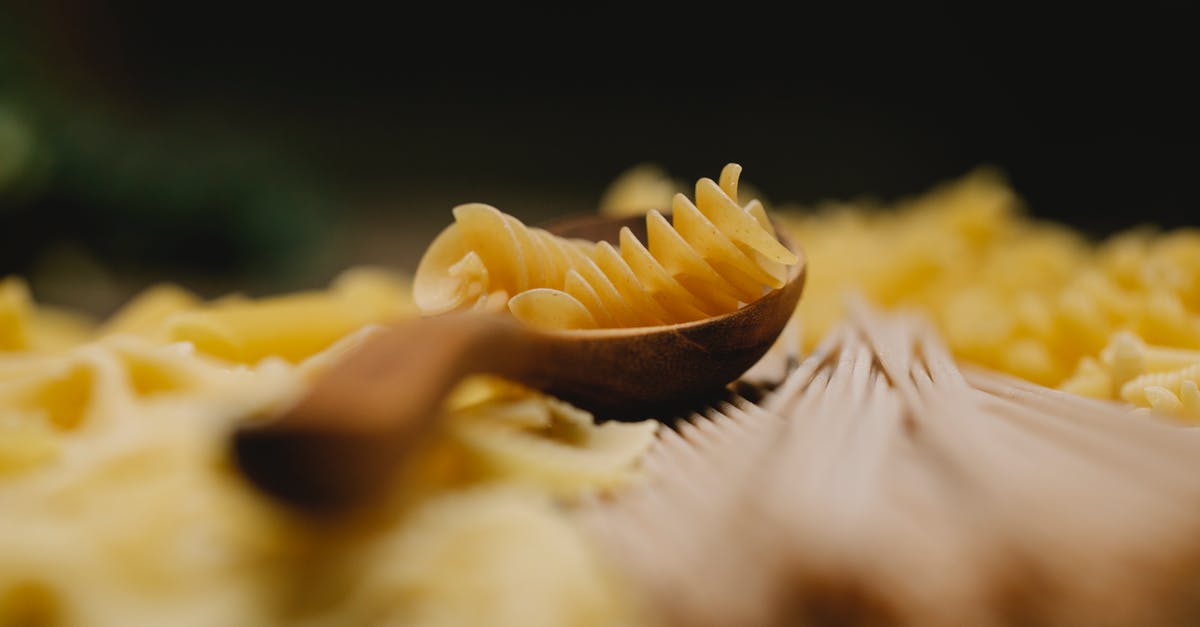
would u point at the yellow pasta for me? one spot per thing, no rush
(1162, 400)
(1154, 358)
(548, 443)
(14, 314)
(26, 441)
(638, 191)
(1162, 378)
(27, 327)
(1023, 296)
(118, 506)
(551, 309)
(714, 256)
(1125, 358)
(1189, 393)
(665, 289)
(293, 327)
(1135, 391)
(121, 507)
(1090, 379)
(146, 313)
(502, 557)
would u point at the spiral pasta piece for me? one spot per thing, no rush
(1135, 391)
(1163, 401)
(712, 257)
(662, 286)
(551, 309)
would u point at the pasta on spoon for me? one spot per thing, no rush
(714, 256)
(686, 313)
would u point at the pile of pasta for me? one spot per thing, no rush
(1117, 319)
(121, 506)
(713, 257)
(880, 484)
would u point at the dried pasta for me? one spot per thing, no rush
(121, 507)
(146, 313)
(714, 256)
(545, 442)
(485, 556)
(118, 507)
(1017, 295)
(27, 327)
(293, 326)
(881, 484)
(638, 191)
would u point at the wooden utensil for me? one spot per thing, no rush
(342, 442)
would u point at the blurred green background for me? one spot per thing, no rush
(262, 150)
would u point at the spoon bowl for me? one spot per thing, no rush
(633, 373)
(344, 439)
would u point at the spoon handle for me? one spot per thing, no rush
(346, 436)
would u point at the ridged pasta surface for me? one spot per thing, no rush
(713, 256)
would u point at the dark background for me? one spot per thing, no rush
(266, 148)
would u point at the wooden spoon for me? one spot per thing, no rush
(343, 441)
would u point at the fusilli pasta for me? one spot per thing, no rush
(713, 256)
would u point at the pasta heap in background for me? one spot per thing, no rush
(120, 506)
(1118, 319)
(713, 257)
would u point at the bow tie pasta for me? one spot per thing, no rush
(712, 257)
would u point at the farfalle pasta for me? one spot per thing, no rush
(713, 256)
